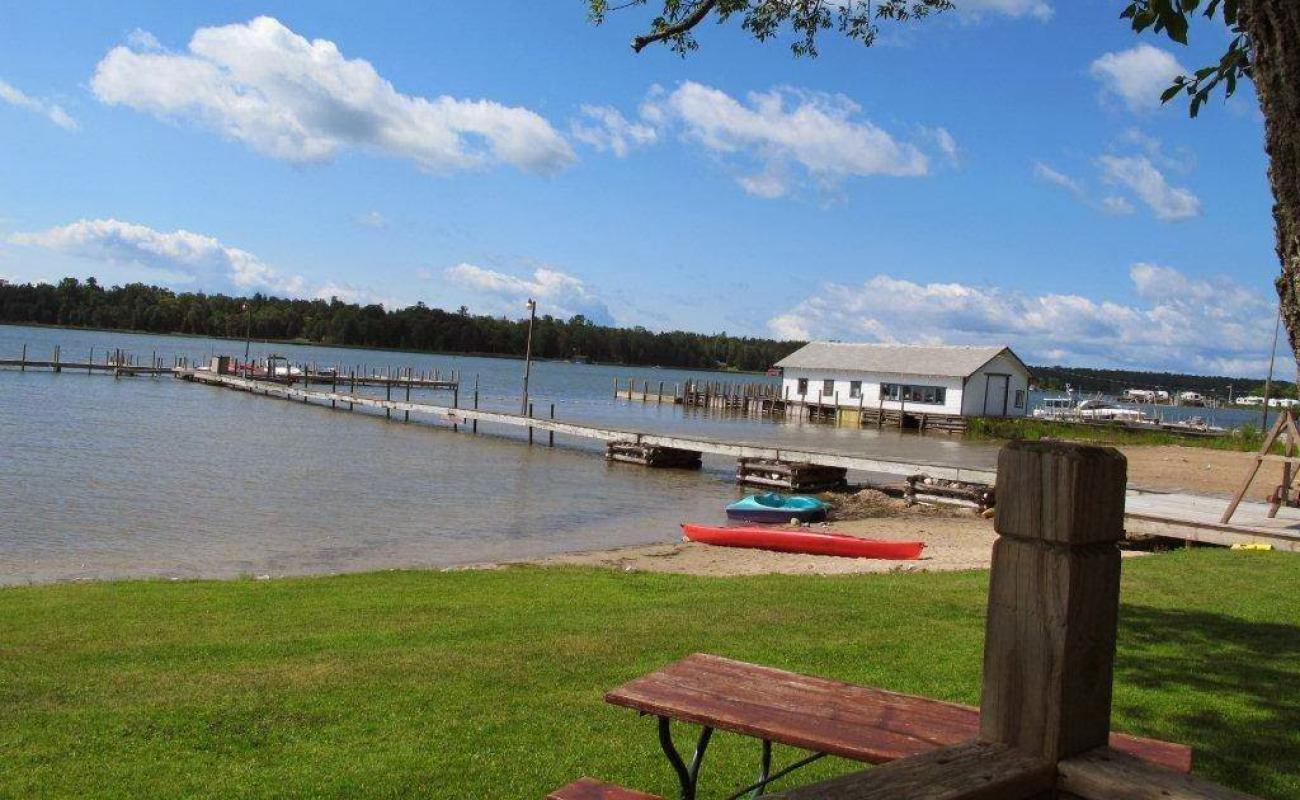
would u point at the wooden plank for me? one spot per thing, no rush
(1104, 774)
(969, 771)
(592, 789)
(844, 719)
(1049, 646)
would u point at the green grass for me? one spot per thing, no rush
(488, 684)
(1247, 438)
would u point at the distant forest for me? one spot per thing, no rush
(152, 309)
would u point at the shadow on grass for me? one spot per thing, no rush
(1228, 687)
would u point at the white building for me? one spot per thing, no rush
(908, 379)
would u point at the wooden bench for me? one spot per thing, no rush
(820, 715)
(592, 789)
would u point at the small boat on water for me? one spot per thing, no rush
(774, 507)
(803, 540)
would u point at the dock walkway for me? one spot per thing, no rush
(736, 450)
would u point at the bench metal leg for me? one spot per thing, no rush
(765, 779)
(688, 777)
(764, 769)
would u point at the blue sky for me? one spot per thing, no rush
(999, 174)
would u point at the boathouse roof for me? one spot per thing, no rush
(897, 359)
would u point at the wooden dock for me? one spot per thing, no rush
(461, 416)
(1195, 518)
(117, 362)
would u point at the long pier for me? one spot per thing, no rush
(456, 415)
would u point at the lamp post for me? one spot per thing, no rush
(531, 305)
(248, 335)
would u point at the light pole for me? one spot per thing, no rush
(248, 335)
(531, 305)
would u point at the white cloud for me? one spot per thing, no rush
(1038, 9)
(782, 135)
(180, 259)
(1119, 206)
(1138, 75)
(557, 293)
(304, 101)
(1140, 176)
(51, 111)
(946, 143)
(371, 219)
(1174, 321)
(1049, 174)
(609, 130)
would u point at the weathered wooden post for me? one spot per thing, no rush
(550, 435)
(353, 391)
(57, 368)
(388, 391)
(22, 365)
(473, 427)
(406, 415)
(530, 425)
(1049, 647)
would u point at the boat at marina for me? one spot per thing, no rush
(1065, 409)
(775, 507)
(803, 540)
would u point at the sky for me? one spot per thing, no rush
(1000, 174)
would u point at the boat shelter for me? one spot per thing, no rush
(902, 381)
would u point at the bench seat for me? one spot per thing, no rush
(592, 789)
(825, 716)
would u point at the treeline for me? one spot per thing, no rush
(1115, 381)
(152, 309)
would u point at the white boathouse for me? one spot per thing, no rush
(906, 385)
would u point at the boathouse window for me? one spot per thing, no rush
(803, 387)
(828, 387)
(1020, 398)
(855, 389)
(927, 395)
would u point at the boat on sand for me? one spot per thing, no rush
(774, 507)
(803, 540)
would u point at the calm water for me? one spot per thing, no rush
(104, 477)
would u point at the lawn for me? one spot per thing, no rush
(488, 684)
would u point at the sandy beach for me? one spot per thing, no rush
(1198, 470)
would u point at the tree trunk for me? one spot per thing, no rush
(1274, 28)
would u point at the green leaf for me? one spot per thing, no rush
(1171, 93)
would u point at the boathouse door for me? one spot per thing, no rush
(996, 389)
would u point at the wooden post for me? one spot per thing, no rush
(473, 426)
(550, 435)
(530, 427)
(334, 388)
(406, 415)
(388, 391)
(455, 400)
(57, 368)
(90, 361)
(1049, 647)
(22, 365)
(353, 391)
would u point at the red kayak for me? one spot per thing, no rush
(803, 540)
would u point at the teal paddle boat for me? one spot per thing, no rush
(773, 507)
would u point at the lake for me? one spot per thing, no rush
(154, 477)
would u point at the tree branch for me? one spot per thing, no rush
(683, 25)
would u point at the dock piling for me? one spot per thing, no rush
(550, 435)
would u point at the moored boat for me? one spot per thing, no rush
(802, 540)
(774, 507)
